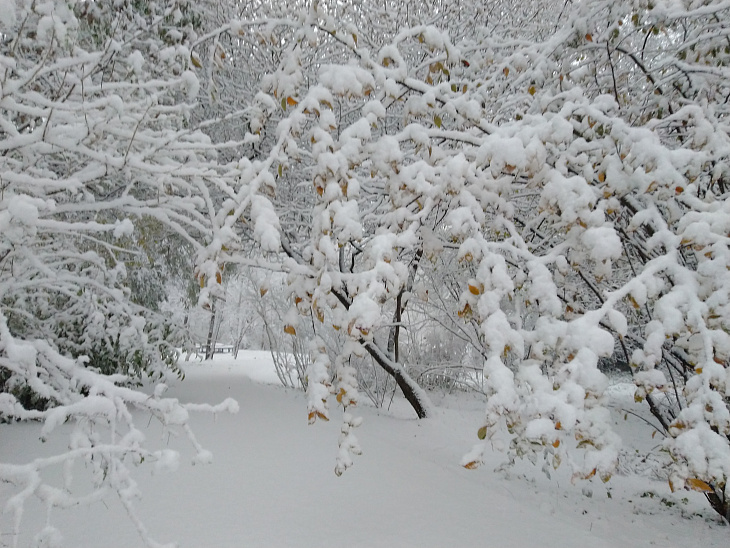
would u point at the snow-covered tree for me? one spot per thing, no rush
(105, 185)
(565, 164)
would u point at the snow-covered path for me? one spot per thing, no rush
(271, 484)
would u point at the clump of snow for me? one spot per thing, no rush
(136, 61)
(123, 228)
(348, 80)
(191, 85)
(266, 223)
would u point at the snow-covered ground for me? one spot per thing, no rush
(271, 483)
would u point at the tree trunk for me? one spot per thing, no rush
(400, 306)
(210, 348)
(719, 503)
(415, 395)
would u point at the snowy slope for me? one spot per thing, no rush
(271, 483)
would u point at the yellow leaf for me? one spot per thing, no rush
(195, 60)
(437, 120)
(589, 37)
(289, 330)
(354, 38)
(202, 281)
(472, 465)
(263, 291)
(341, 393)
(556, 443)
(314, 415)
(698, 485)
(218, 277)
(531, 90)
(482, 432)
(475, 289)
(602, 177)
(291, 102)
(506, 71)
(283, 103)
